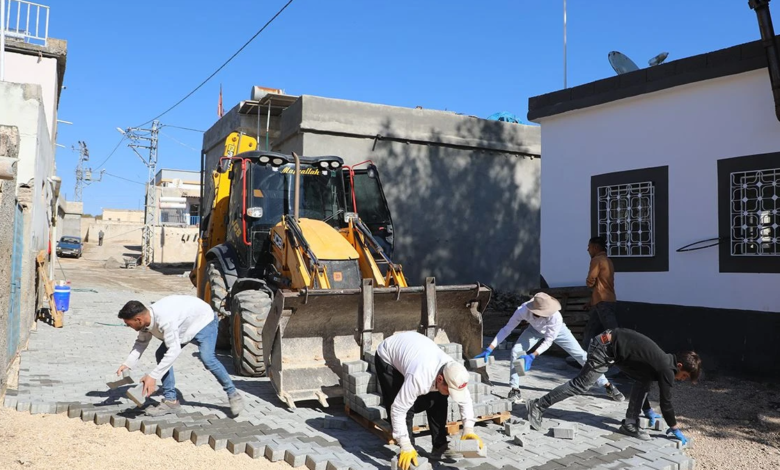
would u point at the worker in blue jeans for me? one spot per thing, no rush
(176, 320)
(546, 324)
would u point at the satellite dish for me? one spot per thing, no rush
(658, 59)
(621, 63)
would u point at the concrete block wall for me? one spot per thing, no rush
(175, 244)
(130, 234)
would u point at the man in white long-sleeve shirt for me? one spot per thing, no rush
(176, 320)
(415, 375)
(546, 324)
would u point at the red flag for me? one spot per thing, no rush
(220, 111)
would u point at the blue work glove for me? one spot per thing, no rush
(678, 434)
(652, 416)
(528, 359)
(484, 354)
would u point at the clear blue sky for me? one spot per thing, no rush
(129, 61)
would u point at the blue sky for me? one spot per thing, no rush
(128, 62)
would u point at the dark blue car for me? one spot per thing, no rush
(69, 246)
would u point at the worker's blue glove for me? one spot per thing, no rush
(528, 359)
(652, 416)
(678, 434)
(484, 354)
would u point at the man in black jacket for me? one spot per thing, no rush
(640, 358)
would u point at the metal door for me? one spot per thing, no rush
(15, 300)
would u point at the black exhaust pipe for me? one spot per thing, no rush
(761, 7)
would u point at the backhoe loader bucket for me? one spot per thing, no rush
(309, 334)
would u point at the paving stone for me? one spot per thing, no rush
(469, 448)
(113, 381)
(10, 401)
(23, 406)
(332, 422)
(255, 450)
(43, 408)
(136, 394)
(564, 432)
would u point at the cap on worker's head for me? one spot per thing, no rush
(457, 378)
(543, 305)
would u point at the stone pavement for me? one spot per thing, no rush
(64, 370)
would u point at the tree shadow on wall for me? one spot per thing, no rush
(463, 215)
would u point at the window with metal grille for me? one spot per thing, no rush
(755, 212)
(626, 219)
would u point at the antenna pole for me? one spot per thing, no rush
(564, 43)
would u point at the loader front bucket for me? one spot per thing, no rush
(309, 334)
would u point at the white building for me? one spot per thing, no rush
(178, 197)
(658, 159)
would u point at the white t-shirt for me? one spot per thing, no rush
(176, 319)
(419, 360)
(549, 327)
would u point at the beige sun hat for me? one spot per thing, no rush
(543, 305)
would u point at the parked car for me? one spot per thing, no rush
(69, 246)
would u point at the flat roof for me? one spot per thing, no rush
(721, 63)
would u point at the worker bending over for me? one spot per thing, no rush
(546, 324)
(176, 320)
(415, 375)
(638, 357)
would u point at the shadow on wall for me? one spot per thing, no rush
(464, 215)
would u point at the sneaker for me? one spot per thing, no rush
(614, 393)
(165, 407)
(514, 395)
(633, 430)
(444, 454)
(236, 404)
(534, 414)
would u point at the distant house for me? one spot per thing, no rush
(661, 161)
(178, 197)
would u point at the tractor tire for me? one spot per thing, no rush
(218, 291)
(250, 309)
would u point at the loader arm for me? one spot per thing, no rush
(361, 238)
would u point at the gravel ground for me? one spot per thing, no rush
(57, 442)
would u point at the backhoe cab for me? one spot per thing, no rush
(301, 283)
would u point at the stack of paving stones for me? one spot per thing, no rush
(63, 371)
(363, 396)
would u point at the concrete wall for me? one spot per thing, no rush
(123, 215)
(115, 233)
(32, 69)
(9, 138)
(689, 128)
(175, 245)
(69, 218)
(463, 192)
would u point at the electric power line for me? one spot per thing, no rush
(180, 143)
(111, 154)
(220, 67)
(183, 128)
(122, 178)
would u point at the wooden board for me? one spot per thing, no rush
(453, 427)
(56, 315)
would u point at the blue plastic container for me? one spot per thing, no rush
(62, 298)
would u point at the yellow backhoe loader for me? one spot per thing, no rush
(302, 283)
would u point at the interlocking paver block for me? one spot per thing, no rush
(565, 431)
(469, 448)
(516, 427)
(255, 450)
(136, 394)
(476, 363)
(333, 422)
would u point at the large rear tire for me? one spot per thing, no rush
(217, 292)
(249, 311)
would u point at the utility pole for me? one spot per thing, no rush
(136, 136)
(84, 176)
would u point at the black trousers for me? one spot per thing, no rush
(434, 403)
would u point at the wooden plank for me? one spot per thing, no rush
(56, 315)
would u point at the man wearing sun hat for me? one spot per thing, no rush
(415, 375)
(546, 324)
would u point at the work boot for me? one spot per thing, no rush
(443, 453)
(534, 414)
(236, 404)
(165, 407)
(514, 395)
(633, 430)
(614, 393)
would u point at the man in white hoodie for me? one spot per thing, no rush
(415, 375)
(176, 320)
(546, 324)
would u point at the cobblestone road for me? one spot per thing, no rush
(64, 370)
